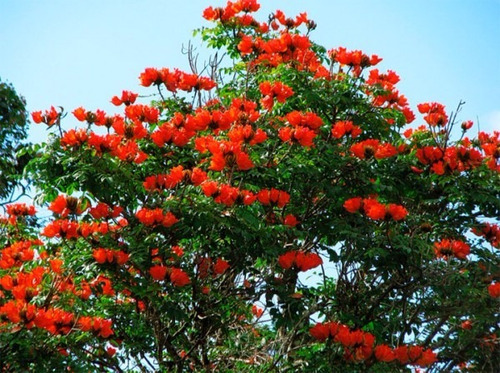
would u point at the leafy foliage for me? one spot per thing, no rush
(13, 130)
(275, 215)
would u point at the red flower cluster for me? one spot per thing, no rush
(359, 345)
(130, 152)
(104, 143)
(231, 10)
(301, 135)
(18, 252)
(373, 148)
(65, 205)
(175, 80)
(177, 276)
(302, 261)
(99, 118)
(459, 158)
(224, 154)
(300, 119)
(159, 182)
(490, 232)
(207, 266)
(436, 116)
(273, 197)
(447, 248)
(391, 98)
(130, 131)
(49, 117)
(126, 98)
(173, 131)
(227, 194)
(140, 113)
(104, 211)
(357, 60)
(97, 325)
(490, 144)
(246, 134)
(61, 228)
(270, 91)
(386, 81)
(71, 229)
(54, 320)
(164, 181)
(287, 48)
(102, 256)
(305, 128)
(156, 216)
(20, 209)
(290, 23)
(257, 311)
(345, 127)
(74, 138)
(24, 285)
(374, 209)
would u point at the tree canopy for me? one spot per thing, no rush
(13, 131)
(271, 210)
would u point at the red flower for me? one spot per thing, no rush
(169, 219)
(301, 260)
(245, 46)
(397, 212)
(273, 196)
(373, 148)
(353, 204)
(20, 209)
(49, 117)
(55, 265)
(158, 272)
(179, 278)
(220, 266)
(287, 260)
(466, 325)
(446, 248)
(436, 115)
(401, 354)
(307, 261)
(342, 128)
(110, 351)
(150, 76)
(74, 138)
(427, 358)
(257, 311)
(64, 205)
(320, 331)
(290, 220)
(374, 209)
(494, 289)
(126, 98)
(384, 353)
(276, 90)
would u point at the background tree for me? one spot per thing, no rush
(13, 130)
(267, 212)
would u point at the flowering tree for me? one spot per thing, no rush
(273, 212)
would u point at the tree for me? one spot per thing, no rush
(269, 213)
(13, 130)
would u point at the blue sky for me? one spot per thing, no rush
(81, 53)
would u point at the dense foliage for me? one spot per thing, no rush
(13, 131)
(271, 212)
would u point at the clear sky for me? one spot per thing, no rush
(74, 53)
